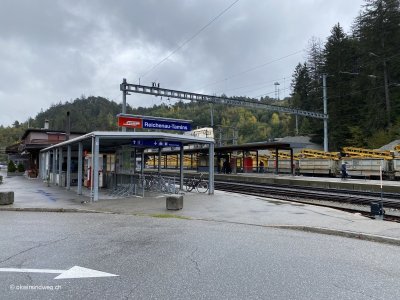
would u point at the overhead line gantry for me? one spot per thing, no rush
(127, 88)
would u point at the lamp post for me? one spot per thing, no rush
(385, 78)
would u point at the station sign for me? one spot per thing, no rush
(155, 143)
(166, 125)
(156, 123)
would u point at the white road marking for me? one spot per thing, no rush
(74, 272)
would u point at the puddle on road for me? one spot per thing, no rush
(47, 195)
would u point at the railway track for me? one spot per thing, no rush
(348, 200)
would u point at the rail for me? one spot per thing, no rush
(326, 197)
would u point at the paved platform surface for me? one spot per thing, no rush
(358, 184)
(389, 186)
(33, 194)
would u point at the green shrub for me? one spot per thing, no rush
(21, 168)
(11, 166)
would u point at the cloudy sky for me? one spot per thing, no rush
(52, 51)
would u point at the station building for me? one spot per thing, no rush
(32, 141)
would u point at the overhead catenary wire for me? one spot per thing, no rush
(189, 39)
(249, 69)
(269, 93)
(262, 83)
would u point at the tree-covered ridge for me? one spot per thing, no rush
(97, 113)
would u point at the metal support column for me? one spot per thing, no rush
(257, 164)
(40, 165)
(91, 170)
(325, 112)
(142, 164)
(134, 161)
(68, 185)
(80, 155)
(60, 161)
(48, 163)
(54, 166)
(44, 165)
(123, 85)
(211, 169)
(276, 161)
(96, 169)
(159, 160)
(181, 169)
(291, 162)
(243, 154)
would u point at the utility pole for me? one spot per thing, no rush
(387, 98)
(124, 92)
(325, 97)
(212, 115)
(386, 84)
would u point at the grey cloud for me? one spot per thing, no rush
(58, 50)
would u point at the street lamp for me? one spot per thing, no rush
(385, 78)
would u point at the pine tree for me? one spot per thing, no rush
(378, 30)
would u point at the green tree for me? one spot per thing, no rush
(378, 31)
(343, 109)
(11, 166)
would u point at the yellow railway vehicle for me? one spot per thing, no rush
(368, 153)
(311, 153)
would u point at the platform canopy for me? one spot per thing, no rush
(112, 139)
(109, 141)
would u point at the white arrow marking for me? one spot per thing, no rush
(74, 272)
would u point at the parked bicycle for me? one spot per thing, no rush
(160, 184)
(200, 184)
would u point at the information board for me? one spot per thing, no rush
(155, 143)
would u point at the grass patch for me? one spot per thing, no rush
(165, 216)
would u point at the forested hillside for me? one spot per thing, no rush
(363, 83)
(97, 113)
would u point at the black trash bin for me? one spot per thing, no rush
(377, 210)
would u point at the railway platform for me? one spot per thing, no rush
(34, 195)
(356, 184)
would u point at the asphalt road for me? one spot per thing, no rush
(159, 258)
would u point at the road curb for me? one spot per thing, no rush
(342, 233)
(320, 230)
(47, 209)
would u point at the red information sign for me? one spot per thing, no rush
(130, 122)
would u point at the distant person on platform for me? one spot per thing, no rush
(344, 170)
(261, 165)
(226, 167)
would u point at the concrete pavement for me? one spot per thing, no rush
(34, 195)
